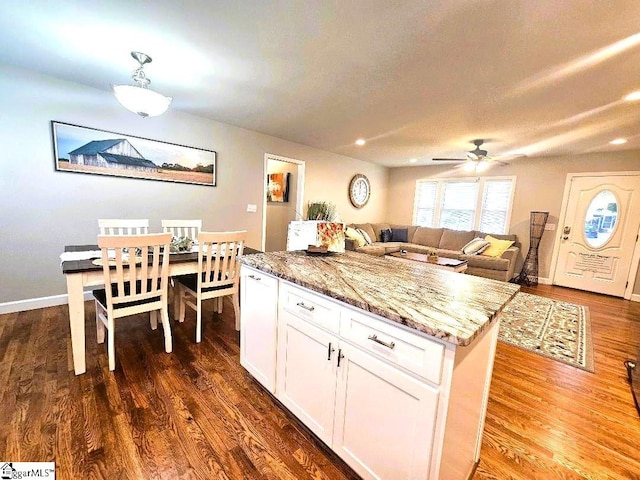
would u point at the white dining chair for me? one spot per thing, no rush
(182, 228)
(218, 275)
(136, 273)
(125, 226)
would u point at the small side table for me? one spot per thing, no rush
(529, 273)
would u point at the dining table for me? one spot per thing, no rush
(83, 272)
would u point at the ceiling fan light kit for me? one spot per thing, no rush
(478, 160)
(140, 98)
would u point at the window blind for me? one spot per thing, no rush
(425, 206)
(495, 206)
(459, 205)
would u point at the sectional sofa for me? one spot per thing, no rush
(448, 243)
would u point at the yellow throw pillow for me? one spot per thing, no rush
(354, 235)
(496, 247)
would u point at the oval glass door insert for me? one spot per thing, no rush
(600, 221)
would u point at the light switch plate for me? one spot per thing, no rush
(252, 208)
(550, 226)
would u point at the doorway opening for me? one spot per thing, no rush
(283, 199)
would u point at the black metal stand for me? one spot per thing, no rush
(529, 273)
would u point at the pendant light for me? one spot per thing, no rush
(140, 98)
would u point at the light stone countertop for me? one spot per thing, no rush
(451, 306)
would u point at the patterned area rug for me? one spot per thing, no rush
(554, 329)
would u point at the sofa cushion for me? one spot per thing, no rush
(455, 239)
(365, 235)
(485, 262)
(373, 249)
(377, 247)
(442, 252)
(497, 247)
(411, 230)
(377, 228)
(499, 236)
(366, 227)
(399, 235)
(475, 246)
(356, 236)
(385, 235)
(429, 237)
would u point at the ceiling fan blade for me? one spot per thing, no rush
(449, 159)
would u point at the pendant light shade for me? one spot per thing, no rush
(139, 98)
(143, 101)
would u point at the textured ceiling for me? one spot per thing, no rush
(417, 79)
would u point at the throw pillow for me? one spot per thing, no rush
(365, 235)
(385, 235)
(497, 247)
(475, 246)
(354, 235)
(399, 234)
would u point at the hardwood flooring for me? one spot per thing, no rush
(196, 413)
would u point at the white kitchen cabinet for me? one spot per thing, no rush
(384, 419)
(258, 324)
(307, 373)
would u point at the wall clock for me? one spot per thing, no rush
(359, 190)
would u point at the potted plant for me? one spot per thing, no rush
(323, 211)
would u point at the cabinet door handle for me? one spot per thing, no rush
(375, 338)
(254, 277)
(330, 350)
(306, 307)
(340, 356)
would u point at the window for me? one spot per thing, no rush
(496, 204)
(425, 203)
(458, 207)
(462, 204)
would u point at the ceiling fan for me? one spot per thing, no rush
(477, 159)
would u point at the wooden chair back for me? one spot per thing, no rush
(136, 277)
(182, 228)
(128, 226)
(218, 265)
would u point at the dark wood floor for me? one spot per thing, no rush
(197, 414)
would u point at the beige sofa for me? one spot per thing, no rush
(448, 243)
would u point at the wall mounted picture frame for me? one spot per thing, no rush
(278, 187)
(88, 150)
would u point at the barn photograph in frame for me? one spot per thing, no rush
(88, 150)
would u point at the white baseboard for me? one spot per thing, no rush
(635, 297)
(544, 281)
(34, 303)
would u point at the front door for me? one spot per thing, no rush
(599, 233)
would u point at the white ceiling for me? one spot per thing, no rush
(415, 78)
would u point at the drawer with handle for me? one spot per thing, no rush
(309, 306)
(250, 275)
(416, 353)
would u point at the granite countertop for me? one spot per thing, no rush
(451, 306)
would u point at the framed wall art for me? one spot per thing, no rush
(89, 150)
(278, 187)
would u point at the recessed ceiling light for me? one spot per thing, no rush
(633, 96)
(618, 141)
(413, 160)
(361, 141)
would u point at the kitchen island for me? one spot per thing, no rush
(387, 363)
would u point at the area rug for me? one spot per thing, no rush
(557, 330)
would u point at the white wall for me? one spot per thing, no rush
(44, 210)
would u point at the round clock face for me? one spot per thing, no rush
(359, 191)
